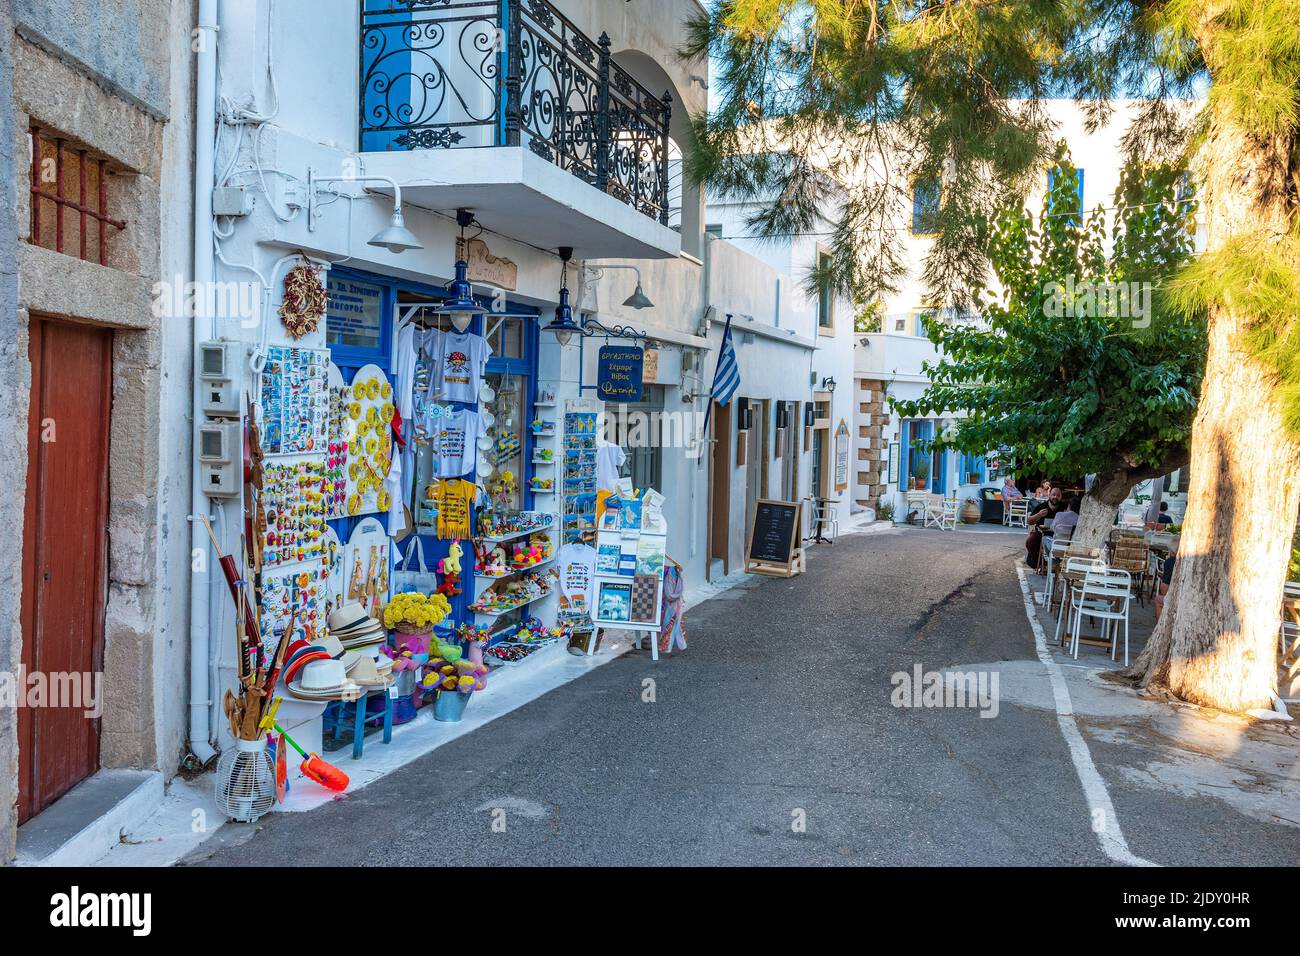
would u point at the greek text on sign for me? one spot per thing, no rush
(619, 372)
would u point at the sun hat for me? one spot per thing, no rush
(324, 680)
(304, 656)
(367, 674)
(349, 615)
(331, 645)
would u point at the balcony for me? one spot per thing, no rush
(480, 103)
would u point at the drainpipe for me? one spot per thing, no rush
(205, 126)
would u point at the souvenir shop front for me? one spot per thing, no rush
(426, 511)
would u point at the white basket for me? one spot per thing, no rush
(246, 781)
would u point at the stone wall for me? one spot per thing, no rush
(101, 77)
(871, 418)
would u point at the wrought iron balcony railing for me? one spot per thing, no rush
(445, 74)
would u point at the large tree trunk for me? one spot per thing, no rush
(1100, 506)
(1217, 643)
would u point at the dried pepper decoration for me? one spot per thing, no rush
(304, 300)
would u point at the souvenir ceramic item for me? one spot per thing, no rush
(488, 418)
(486, 393)
(484, 468)
(485, 442)
(368, 441)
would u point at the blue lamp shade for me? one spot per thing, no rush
(461, 307)
(563, 325)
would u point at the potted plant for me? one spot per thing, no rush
(413, 615)
(970, 511)
(921, 474)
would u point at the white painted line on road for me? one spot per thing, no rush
(1105, 822)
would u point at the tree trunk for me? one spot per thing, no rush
(1217, 646)
(1099, 507)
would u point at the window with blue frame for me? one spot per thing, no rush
(926, 194)
(973, 469)
(1079, 208)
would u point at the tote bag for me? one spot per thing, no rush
(407, 578)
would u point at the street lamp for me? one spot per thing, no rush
(394, 237)
(461, 308)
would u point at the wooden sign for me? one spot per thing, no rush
(485, 267)
(774, 539)
(650, 367)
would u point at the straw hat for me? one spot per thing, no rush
(324, 680)
(349, 615)
(367, 673)
(301, 657)
(331, 645)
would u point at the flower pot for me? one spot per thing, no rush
(970, 513)
(450, 705)
(418, 641)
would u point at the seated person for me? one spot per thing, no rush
(1044, 490)
(1034, 542)
(1009, 489)
(1162, 520)
(1166, 578)
(1063, 524)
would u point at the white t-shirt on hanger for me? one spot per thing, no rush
(459, 360)
(577, 568)
(609, 459)
(455, 441)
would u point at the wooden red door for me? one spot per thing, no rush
(64, 551)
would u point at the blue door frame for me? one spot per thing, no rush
(350, 359)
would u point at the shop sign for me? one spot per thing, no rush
(485, 267)
(650, 371)
(842, 444)
(619, 373)
(353, 313)
(893, 463)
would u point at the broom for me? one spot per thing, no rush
(326, 774)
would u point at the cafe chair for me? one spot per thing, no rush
(1017, 513)
(1104, 596)
(1078, 562)
(826, 524)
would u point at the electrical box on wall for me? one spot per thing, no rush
(232, 201)
(220, 399)
(220, 458)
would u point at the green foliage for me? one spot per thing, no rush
(1062, 380)
(854, 100)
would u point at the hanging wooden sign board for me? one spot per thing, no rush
(774, 539)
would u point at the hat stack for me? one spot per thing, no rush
(324, 680)
(356, 629)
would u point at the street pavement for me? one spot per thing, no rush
(772, 740)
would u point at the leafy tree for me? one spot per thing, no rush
(1081, 367)
(880, 93)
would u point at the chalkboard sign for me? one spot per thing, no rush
(774, 539)
(620, 372)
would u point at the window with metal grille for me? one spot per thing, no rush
(70, 198)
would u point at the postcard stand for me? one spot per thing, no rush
(631, 548)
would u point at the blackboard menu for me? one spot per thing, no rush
(775, 531)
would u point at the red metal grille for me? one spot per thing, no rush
(70, 198)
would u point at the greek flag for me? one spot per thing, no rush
(726, 378)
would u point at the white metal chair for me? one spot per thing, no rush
(916, 503)
(1076, 567)
(1016, 512)
(934, 511)
(1104, 595)
(1055, 555)
(825, 520)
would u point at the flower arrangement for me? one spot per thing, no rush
(455, 674)
(415, 613)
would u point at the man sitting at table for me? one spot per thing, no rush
(1062, 526)
(1162, 519)
(1009, 489)
(1034, 542)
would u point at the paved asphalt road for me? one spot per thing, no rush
(779, 710)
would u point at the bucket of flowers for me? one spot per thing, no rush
(453, 678)
(413, 616)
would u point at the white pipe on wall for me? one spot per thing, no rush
(205, 125)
